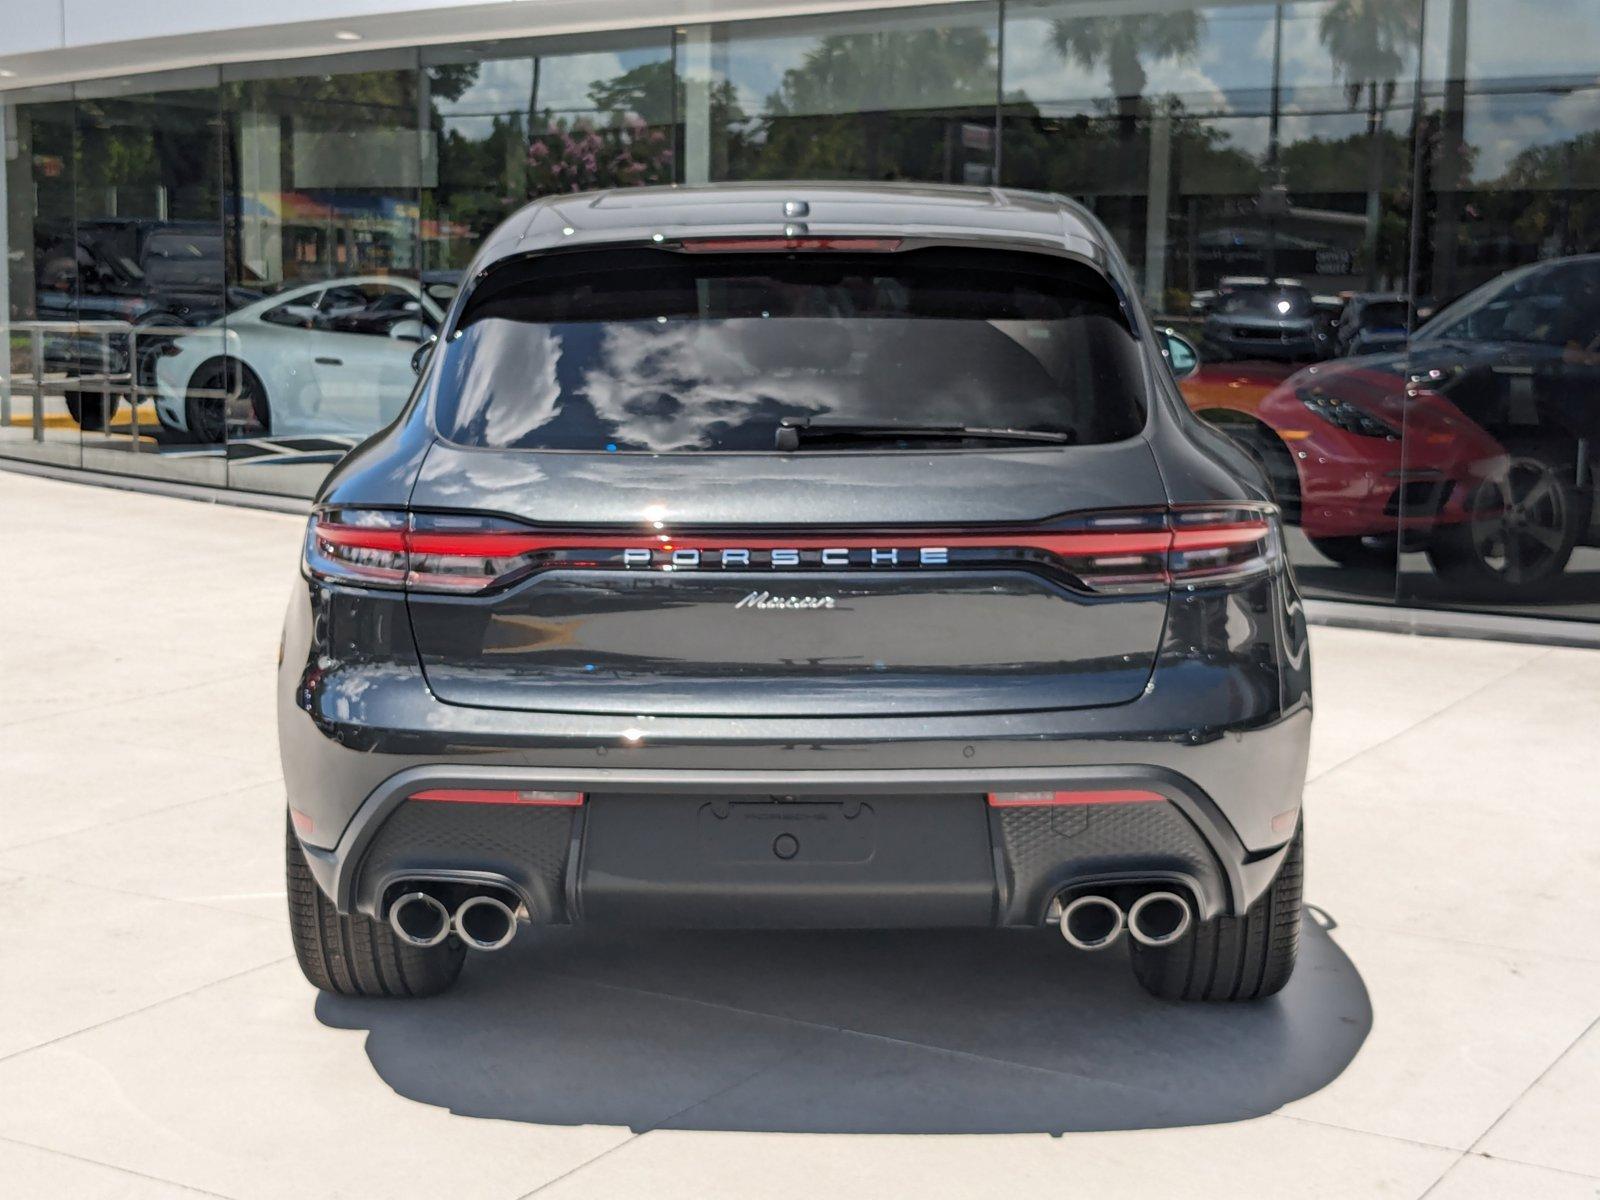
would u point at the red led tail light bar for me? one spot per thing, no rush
(1115, 552)
(1067, 545)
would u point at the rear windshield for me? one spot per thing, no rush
(666, 351)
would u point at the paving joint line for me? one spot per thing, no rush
(1474, 1151)
(139, 816)
(124, 702)
(133, 895)
(95, 1162)
(144, 1008)
(1540, 1078)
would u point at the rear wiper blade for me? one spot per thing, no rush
(791, 432)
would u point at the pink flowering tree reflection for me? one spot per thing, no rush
(577, 155)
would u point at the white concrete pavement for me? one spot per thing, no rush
(1441, 1038)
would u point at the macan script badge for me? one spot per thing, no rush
(766, 600)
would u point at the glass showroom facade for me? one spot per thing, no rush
(1369, 218)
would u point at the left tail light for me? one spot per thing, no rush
(359, 546)
(382, 549)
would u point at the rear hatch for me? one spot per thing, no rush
(782, 483)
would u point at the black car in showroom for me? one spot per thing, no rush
(796, 556)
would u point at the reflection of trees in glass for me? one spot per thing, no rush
(863, 105)
(1551, 195)
(646, 91)
(148, 156)
(491, 165)
(577, 155)
(1321, 171)
(451, 81)
(1369, 42)
(1121, 45)
(355, 101)
(1070, 153)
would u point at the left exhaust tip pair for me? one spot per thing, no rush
(1094, 922)
(482, 922)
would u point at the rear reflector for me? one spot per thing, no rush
(1057, 799)
(303, 824)
(499, 796)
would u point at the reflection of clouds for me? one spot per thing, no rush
(1305, 59)
(1502, 127)
(503, 84)
(1059, 84)
(524, 357)
(714, 489)
(678, 385)
(342, 695)
(665, 386)
(1519, 39)
(452, 476)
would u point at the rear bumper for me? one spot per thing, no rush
(1220, 735)
(923, 848)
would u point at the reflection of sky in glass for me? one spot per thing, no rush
(1229, 74)
(697, 384)
(1518, 39)
(1230, 69)
(755, 56)
(503, 84)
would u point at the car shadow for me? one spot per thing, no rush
(907, 1032)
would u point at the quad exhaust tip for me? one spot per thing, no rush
(419, 919)
(1159, 918)
(485, 922)
(1091, 923)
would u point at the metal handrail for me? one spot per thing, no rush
(38, 383)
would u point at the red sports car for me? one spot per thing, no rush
(1364, 458)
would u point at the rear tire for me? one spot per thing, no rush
(1233, 958)
(355, 955)
(92, 410)
(209, 415)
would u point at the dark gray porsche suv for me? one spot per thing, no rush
(800, 556)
